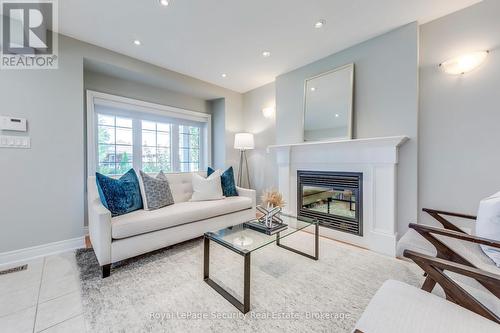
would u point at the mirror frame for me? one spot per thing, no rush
(351, 103)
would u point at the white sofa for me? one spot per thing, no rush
(118, 238)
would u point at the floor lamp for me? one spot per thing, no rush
(243, 142)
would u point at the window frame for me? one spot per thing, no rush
(140, 110)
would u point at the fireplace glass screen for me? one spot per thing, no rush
(333, 198)
(340, 202)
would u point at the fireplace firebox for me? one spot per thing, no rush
(334, 198)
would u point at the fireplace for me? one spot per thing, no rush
(334, 198)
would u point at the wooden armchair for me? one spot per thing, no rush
(398, 307)
(448, 259)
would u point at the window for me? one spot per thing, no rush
(189, 148)
(115, 150)
(156, 147)
(125, 133)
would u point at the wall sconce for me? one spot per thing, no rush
(268, 112)
(464, 63)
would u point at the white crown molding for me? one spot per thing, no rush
(23, 255)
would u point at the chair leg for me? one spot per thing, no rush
(106, 270)
(429, 284)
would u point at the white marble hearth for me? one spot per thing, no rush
(376, 158)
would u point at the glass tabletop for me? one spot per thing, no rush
(241, 239)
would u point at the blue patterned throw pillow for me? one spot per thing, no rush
(120, 196)
(227, 181)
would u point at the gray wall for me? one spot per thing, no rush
(141, 91)
(385, 102)
(41, 196)
(42, 189)
(218, 107)
(263, 174)
(459, 115)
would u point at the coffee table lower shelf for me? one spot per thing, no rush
(244, 306)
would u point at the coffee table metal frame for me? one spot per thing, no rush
(245, 306)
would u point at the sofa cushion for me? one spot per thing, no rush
(181, 185)
(398, 307)
(120, 196)
(143, 221)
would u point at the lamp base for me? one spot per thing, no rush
(243, 159)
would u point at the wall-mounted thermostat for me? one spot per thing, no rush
(13, 124)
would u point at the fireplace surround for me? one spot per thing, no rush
(334, 198)
(375, 158)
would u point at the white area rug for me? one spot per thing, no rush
(164, 291)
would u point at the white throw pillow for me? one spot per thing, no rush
(488, 225)
(209, 188)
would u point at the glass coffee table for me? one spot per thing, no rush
(243, 241)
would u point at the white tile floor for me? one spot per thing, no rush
(44, 298)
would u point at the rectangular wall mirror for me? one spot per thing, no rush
(328, 100)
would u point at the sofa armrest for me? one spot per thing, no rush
(100, 231)
(252, 194)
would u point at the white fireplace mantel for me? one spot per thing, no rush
(376, 158)
(359, 145)
(387, 140)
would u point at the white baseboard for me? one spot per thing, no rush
(23, 255)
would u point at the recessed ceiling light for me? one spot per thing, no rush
(337, 115)
(137, 42)
(313, 89)
(320, 24)
(223, 75)
(266, 54)
(164, 3)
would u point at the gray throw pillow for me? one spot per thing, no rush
(155, 192)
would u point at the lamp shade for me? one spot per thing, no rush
(244, 141)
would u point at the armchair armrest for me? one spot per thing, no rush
(451, 266)
(435, 267)
(465, 216)
(444, 252)
(420, 228)
(252, 194)
(436, 214)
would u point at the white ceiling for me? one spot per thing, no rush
(204, 39)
